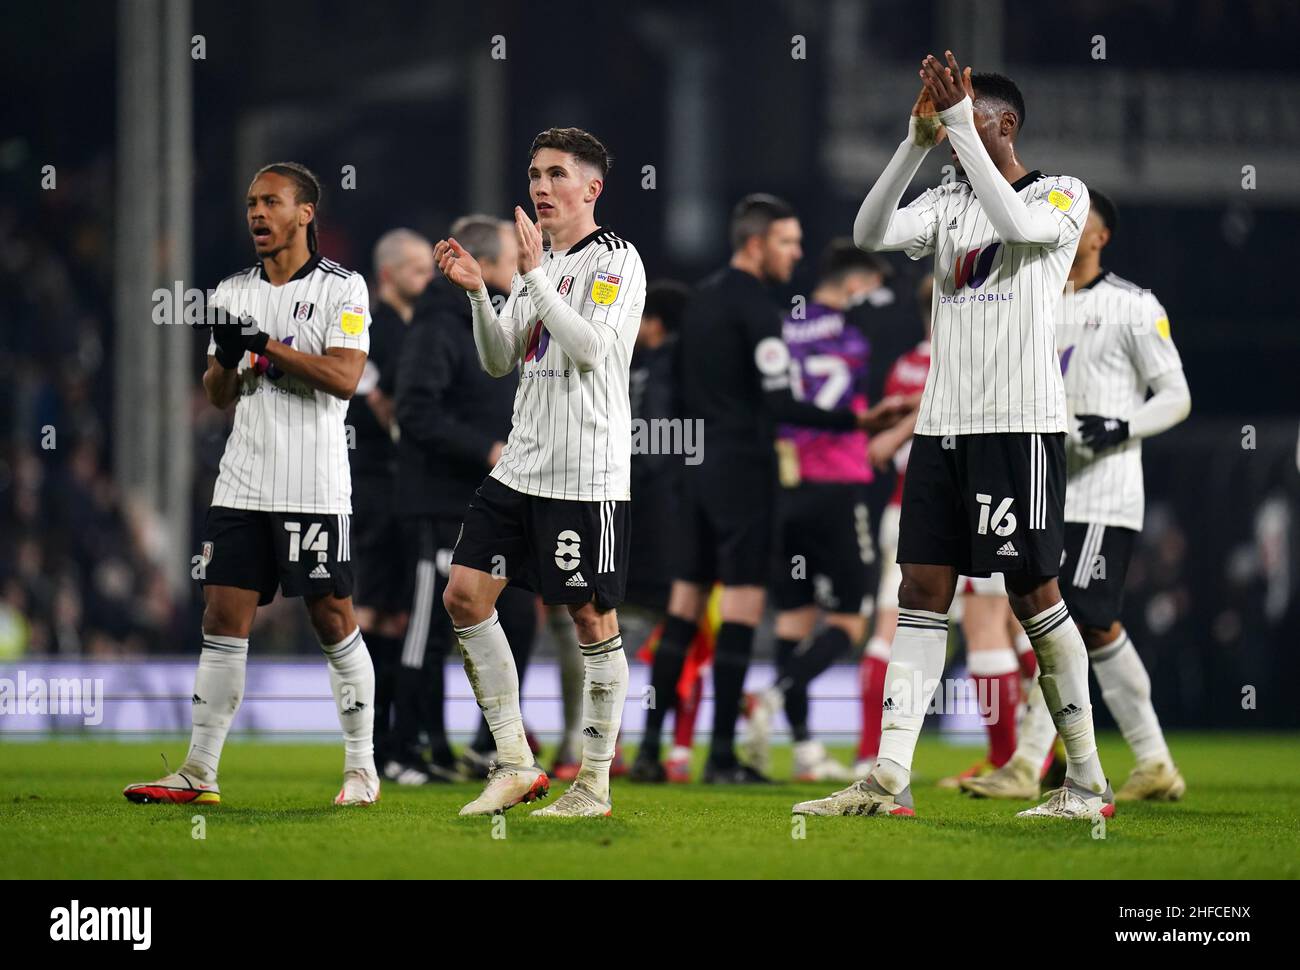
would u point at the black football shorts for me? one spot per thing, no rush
(1095, 570)
(726, 528)
(985, 503)
(300, 553)
(825, 554)
(568, 551)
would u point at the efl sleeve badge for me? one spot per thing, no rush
(604, 288)
(1061, 197)
(353, 319)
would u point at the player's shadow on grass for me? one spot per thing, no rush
(1178, 813)
(986, 825)
(585, 831)
(255, 816)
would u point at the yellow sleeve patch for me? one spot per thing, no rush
(604, 288)
(1162, 327)
(353, 320)
(1063, 199)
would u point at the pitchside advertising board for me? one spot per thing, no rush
(294, 698)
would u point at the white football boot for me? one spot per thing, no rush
(1073, 801)
(577, 802)
(813, 763)
(360, 787)
(1156, 781)
(180, 788)
(1017, 779)
(860, 798)
(507, 786)
(756, 739)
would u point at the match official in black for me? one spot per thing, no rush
(736, 378)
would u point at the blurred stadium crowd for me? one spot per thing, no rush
(78, 567)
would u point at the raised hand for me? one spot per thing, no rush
(529, 236)
(458, 265)
(945, 85)
(927, 131)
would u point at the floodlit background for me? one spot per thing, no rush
(132, 129)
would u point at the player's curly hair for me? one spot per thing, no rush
(582, 145)
(306, 189)
(999, 87)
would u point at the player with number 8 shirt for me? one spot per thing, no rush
(553, 514)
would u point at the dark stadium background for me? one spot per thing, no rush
(1188, 94)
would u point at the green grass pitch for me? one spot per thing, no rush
(62, 816)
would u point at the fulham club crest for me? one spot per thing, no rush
(302, 311)
(566, 284)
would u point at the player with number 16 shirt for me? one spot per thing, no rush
(985, 489)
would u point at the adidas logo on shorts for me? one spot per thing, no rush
(320, 572)
(1008, 550)
(576, 580)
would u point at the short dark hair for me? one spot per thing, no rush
(841, 257)
(754, 215)
(666, 300)
(999, 87)
(306, 189)
(480, 235)
(1105, 208)
(582, 145)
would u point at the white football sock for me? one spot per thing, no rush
(352, 679)
(218, 691)
(604, 690)
(1036, 731)
(1126, 689)
(1063, 675)
(910, 682)
(490, 667)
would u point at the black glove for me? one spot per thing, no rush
(233, 337)
(1100, 433)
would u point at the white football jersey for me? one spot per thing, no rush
(288, 449)
(571, 434)
(994, 349)
(1113, 338)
